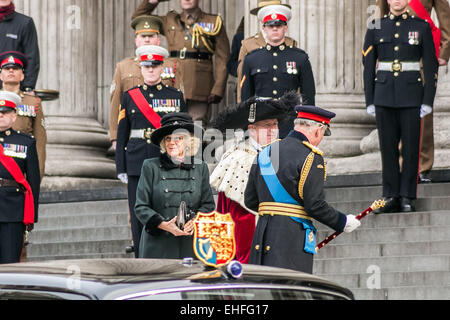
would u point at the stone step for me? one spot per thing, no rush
(422, 204)
(389, 279)
(389, 235)
(108, 232)
(410, 219)
(371, 193)
(78, 208)
(374, 250)
(404, 293)
(35, 250)
(98, 219)
(385, 264)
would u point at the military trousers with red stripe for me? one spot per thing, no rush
(396, 124)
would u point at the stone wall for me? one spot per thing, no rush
(82, 40)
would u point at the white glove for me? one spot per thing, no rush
(371, 110)
(424, 110)
(123, 177)
(351, 224)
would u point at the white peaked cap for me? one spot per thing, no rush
(273, 11)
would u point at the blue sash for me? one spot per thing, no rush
(279, 194)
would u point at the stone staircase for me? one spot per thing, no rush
(83, 229)
(391, 256)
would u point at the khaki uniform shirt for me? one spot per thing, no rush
(127, 76)
(250, 44)
(200, 78)
(31, 120)
(442, 9)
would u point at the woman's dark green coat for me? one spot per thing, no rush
(162, 187)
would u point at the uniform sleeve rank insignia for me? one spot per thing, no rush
(320, 166)
(242, 82)
(122, 115)
(365, 53)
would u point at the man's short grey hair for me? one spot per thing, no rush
(308, 124)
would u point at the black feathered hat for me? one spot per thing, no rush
(257, 109)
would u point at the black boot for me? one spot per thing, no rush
(392, 205)
(406, 205)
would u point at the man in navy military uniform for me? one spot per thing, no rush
(399, 97)
(141, 111)
(19, 181)
(288, 193)
(277, 68)
(18, 33)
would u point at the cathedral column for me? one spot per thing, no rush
(69, 50)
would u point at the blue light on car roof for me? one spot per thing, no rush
(234, 269)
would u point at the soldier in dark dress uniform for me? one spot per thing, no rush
(140, 115)
(287, 192)
(30, 115)
(19, 181)
(277, 68)
(128, 71)
(398, 95)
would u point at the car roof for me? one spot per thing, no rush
(105, 272)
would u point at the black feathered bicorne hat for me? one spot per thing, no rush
(257, 109)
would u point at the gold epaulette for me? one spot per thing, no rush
(270, 143)
(313, 148)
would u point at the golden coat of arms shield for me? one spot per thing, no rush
(214, 242)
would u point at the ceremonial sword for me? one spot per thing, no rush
(376, 205)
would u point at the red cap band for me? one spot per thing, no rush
(7, 103)
(153, 57)
(9, 60)
(315, 117)
(274, 16)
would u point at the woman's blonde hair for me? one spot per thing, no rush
(192, 143)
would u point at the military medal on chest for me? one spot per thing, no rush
(169, 73)
(166, 105)
(27, 111)
(208, 27)
(291, 67)
(15, 150)
(413, 37)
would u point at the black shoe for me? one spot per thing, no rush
(392, 205)
(424, 177)
(406, 205)
(129, 249)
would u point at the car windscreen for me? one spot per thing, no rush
(237, 293)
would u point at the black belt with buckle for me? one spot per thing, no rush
(10, 183)
(183, 54)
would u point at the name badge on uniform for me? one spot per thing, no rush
(168, 73)
(291, 67)
(413, 37)
(12, 36)
(166, 105)
(27, 111)
(15, 151)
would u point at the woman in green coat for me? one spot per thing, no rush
(165, 183)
